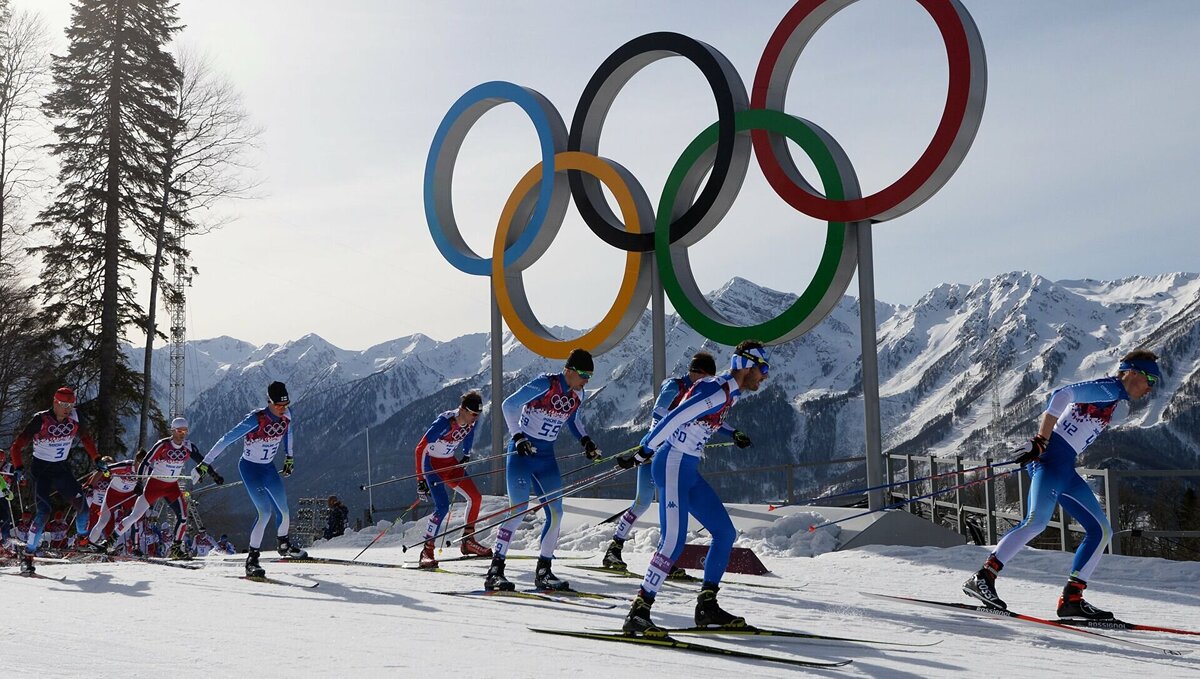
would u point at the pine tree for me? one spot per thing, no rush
(112, 111)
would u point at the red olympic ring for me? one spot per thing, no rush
(955, 132)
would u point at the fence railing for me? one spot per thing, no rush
(994, 505)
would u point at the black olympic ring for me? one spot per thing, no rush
(732, 150)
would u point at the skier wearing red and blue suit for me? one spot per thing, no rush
(676, 446)
(1075, 416)
(118, 498)
(52, 433)
(437, 470)
(535, 415)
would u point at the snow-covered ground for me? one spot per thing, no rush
(131, 620)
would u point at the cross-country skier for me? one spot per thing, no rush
(119, 496)
(266, 431)
(437, 469)
(535, 415)
(676, 444)
(56, 531)
(224, 546)
(94, 489)
(1075, 415)
(202, 544)
(52, 433)
(162, 468)
(672, 392)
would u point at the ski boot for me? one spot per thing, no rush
(177, 553)
(638, 622)
(495, 580)
(709, 613)
(612, 558)
(471, 546)
(1072, 605)
(287, 549)
(95, 547)
(678, 573)
(982, 585)
(253, 570)
(428, 560)
(543, 578)
(27, 563)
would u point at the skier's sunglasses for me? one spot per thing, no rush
(1151, 380)
(762, 365)
(585, 374)
(64, 404)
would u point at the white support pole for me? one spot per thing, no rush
(870, 366)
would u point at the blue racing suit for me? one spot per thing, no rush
(1084, 410)
(539, 410)
(678, 441)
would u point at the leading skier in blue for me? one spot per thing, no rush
(676, 445)
(1075, 416)
(669, 395)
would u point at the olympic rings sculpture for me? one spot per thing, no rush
(571, 167)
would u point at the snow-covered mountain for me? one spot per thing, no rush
(964, 370)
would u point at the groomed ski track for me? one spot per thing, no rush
(386, 622)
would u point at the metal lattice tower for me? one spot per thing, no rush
(177, 308)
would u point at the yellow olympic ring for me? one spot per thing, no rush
(634, 293)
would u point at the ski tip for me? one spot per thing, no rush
(771, 508)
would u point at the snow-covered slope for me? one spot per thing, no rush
(369, 623)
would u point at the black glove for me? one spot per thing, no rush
(216, 477)
(19, 476)
(740, 439)
(523, 445)
(289, 466)
(199, 472)
(423, 490)
(642, 456)
(466, 459)
(102, 467)
(138, 488)
(590, 450)
(1031, 451)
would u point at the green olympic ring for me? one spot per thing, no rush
(838, 258)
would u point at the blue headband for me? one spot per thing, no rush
(1148, 367)
(746, 359)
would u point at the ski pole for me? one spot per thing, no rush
(881, 486)
(215, 486)
(585, 483)
(506, 510)
(914, 499)
(399, 519)
(592, 464)
(460, 465)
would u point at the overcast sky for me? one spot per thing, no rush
(1086, 164)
